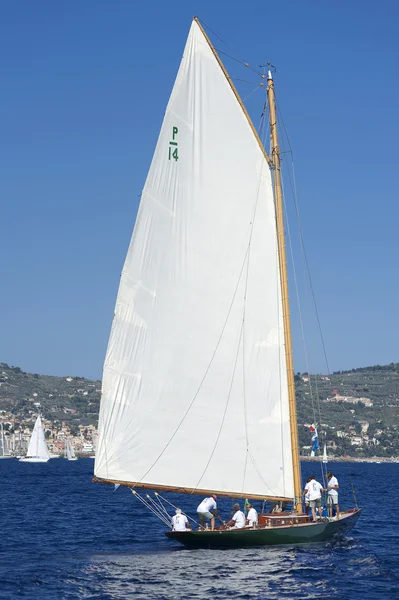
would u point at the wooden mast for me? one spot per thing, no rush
(278, 199)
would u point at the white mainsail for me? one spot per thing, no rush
(194, 389)
(37, 449)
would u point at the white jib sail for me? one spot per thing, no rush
(37, 445)
(194, 386)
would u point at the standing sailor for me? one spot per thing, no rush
(332, 498)
(208, 510)
(314, 489)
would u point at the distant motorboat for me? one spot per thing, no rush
(37, 449)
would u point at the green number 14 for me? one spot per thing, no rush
(173, 153)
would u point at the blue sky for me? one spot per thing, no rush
(84, 89)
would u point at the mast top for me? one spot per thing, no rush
(269, 75)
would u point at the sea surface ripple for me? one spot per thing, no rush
(64, 537)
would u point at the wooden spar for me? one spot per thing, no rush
(182, 490)
(237, 95)
(278, 199)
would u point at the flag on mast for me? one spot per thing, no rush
(315, 438)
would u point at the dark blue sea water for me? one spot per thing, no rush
(63, 536)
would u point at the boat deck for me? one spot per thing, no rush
(277, 529)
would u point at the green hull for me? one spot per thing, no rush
(291, 534)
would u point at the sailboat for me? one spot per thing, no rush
(4, 448)
(325, 458)
(198, 389)
(69, 450)
(37, 449)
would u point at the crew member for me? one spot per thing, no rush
(180, 521)
(332, 497)
(315, 489)
(237, 521)
(252, 516)
(207, 510)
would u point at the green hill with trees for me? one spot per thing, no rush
(357, 411)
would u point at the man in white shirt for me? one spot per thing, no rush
(180, 521)
(314, 490)
(332, 498)
(237, 521)
(252, 516)
(306, 496)
(208, 510)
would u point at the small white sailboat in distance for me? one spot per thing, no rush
(4, 448)
(69, 451)
(37, 449)
(325, 459)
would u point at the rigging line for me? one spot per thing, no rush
(160, 503)
(308, 272)
(157, 509)
(280, 115)
(183, 513)
(205, 373)
(227, 46)
(244, 81)
(303, 333)
(225, 408)
(250, 94)
(241, 62)
(301, 324)
(264, 131)
(143, 501)
(260, 474)
(295, 196)
(305, 262)
(297, 296)
(301, 318)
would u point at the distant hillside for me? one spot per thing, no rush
(74, 400)
(339, 402)
(342, 400)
